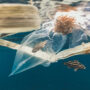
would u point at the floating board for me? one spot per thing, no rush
(16, 18)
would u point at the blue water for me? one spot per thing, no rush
(55, 77)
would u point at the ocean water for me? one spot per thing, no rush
(55, 77)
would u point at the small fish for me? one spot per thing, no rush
(75, 64)
(39, 46)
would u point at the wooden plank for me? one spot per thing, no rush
(19, 17)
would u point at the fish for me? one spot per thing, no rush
(76, 65)
(39, 46)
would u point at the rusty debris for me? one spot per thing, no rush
(64, 24)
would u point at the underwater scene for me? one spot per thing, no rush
(44, 44)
